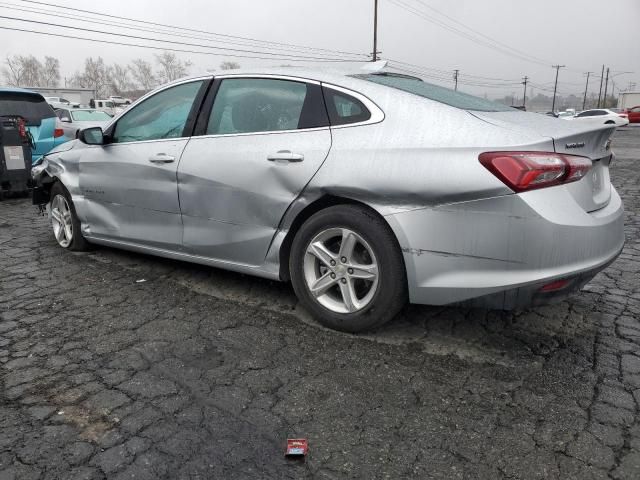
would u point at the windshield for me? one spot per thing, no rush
(32, 107)
(90, 116)
(434, 92)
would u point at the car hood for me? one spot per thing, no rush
(99, 123)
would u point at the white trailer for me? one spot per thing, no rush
(628, 99)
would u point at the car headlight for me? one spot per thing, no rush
(37, 170)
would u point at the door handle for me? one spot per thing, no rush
(162, 158)
(286, 156)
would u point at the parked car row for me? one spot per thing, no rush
(603, 116)
(606, 116)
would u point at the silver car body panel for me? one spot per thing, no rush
(464, 234)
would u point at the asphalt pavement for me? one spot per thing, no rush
(121, 365)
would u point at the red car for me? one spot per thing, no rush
(634, 114)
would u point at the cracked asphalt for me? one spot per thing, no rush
(119, 365)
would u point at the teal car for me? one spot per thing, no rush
(39, 117)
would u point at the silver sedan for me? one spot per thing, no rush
(365, 189)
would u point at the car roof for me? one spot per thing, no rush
(339, 75)
(18, 90)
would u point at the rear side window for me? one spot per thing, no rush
(33, 108)
(592, 113)
(254, 105)
(423, 89)
(344, 109)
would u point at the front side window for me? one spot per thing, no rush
(253, 105)
(635, 110)
(62, 114)
(162, 116)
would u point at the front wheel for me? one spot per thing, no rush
(347, 269)
(64, 221)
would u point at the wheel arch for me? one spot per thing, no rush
(301, 211)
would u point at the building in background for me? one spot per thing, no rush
(628, 99)
(81, 96)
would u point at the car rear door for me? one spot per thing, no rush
(261, 139)
(130, 183)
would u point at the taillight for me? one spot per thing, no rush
(58, 132)
(623, 115)
(523, 171)
(22, 130)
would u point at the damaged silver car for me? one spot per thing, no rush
(365, 190)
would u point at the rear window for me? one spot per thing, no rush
(434, 92)
(33, 108)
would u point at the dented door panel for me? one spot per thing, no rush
(233, 197)
(130, 198)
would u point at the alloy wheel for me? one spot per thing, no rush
(61, 221)
(341, 270)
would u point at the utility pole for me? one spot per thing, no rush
(524, 97)
(586, 87)
(455, 79)
(375, 31)
(600, 92)
(555, 87)
(606, 85)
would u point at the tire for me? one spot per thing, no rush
(376, 287)
(60, 201)
(609, 122)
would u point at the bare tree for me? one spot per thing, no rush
(23, 71)
(171, 67)
(96, 75)
(50, 74)
(229, 65)
(120, 79)
(142, 72)
(13, 71)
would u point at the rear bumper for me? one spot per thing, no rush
(499, 252)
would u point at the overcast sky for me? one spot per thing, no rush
(581, 34)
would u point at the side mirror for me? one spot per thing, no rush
(65, 120)
(91, 136)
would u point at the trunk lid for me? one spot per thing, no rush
(572, 138)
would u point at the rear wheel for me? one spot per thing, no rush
(64, 221)
(347, 269)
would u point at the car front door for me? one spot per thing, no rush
(261, 141)
(130, 182)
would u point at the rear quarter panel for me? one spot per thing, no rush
(422, 154)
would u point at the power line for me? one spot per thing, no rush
(111, 23)
(173, 27)
(126, 44)
(519, 52)
(173, 42)
(450, 28)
